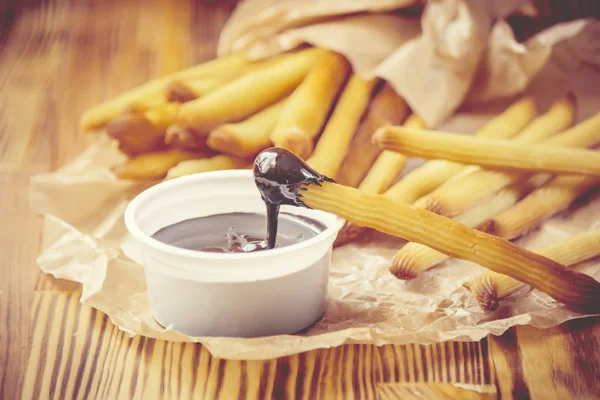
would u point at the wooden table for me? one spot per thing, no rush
(57, 59)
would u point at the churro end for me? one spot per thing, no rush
(489, 226)
(438, 207)
(181, 138)
(402, 268)
(484, 293)
(126, 123)
(293, 140)
(179, 92)
(348, 234)
(380, 137)
(223, 140)
(134, 133)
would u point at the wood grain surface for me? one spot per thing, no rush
(57, 58)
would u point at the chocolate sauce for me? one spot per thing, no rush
(279, 174)
(236, 232)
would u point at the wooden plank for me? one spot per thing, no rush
(18, 246)
(78, 353)
(48, 282)
(557, 363)
(433, 391)
(27, 64)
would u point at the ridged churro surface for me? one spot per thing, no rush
(578, 291)
(490, 287)
(489, 153)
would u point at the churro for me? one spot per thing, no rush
(414, 258)
(246, 138)
(432, 174)
(305, 113)
(135, 134)
(215, 163)
(490, 153)
(333, 144)
(387, 108)
(529, 213)
(154, 165)
(385, 169)
(249, 93)
(388, 165)
(153, 93)
(283, 178)
(478, 186)
(578, 291)
(490, 287)
(451, 199)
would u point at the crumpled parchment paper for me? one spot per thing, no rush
(459, 58)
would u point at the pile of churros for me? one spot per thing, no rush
(221, 114)
(516, 171)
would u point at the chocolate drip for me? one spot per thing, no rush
(279, 174)
(272, 223)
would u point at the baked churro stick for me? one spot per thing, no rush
(305, 113)
(249, 93)
(388, 165)
(153, 92)
(154, 165)
(490, 287)
(249, 137)
(432, 174)
(135, 133)
(414, 258)
(362, 153)
(555, 196)
(558, 118)
(385, 169)
(511, 121)
(142, 132)
(490, 153)
(204, 85)
(576, 290)
(215, 163)
(478, 185)
(387, 108)
(450, 200)
(282, 178)
(333, 144)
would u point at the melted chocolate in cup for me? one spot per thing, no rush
(236, 232)
(279, 174)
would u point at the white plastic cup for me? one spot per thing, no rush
(272, 292)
